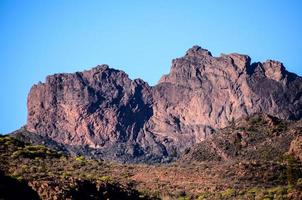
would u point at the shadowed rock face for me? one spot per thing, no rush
(11, 188)
(127, 119)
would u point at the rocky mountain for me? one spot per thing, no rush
(107, 115)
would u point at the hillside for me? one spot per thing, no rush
(258, 137)
(263, 163)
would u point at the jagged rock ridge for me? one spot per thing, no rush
(128, 120)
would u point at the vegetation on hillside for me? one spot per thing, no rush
(38, 172)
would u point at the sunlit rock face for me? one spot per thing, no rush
(129, 120)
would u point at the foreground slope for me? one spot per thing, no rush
(258, 157)
(102, 110)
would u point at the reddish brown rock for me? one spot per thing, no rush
(202, 93)
(127, 119)
(100, 108)
(274, 70)
(296, 147)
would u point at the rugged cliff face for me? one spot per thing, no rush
(202, 93)
(100, 109)
(128, 120)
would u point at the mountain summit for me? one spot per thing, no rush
(114, 117)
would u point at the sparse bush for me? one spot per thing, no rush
(104, 178)
(228, 193)
(204, 195)
(80, 158)
(33, 151)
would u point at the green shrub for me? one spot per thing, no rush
(104, 178)
(34, 151)
(80, 158)
(228, 193)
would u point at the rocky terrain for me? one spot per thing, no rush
(102, 113)
(257, 137)
(256, 157)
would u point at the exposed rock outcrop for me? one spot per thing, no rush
(100, 108)
(128, 120)
(257, 137)
(296, 147)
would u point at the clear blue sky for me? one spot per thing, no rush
(38, 38)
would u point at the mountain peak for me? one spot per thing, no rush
(274, 70)
(198, 51)
(102, 67)
(240, 61)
